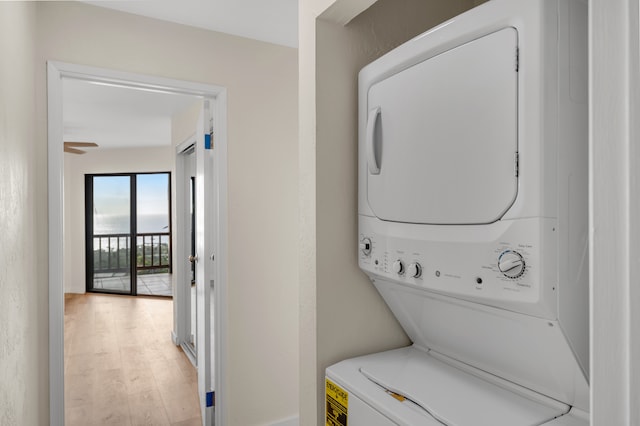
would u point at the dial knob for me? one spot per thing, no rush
(365, 246)
(414, 270)
(511, 264)
(398, 267)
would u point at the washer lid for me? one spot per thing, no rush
(441, 136)
(452, 396)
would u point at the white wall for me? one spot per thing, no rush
(342, 315)
(23, 268)
(131, 160)
(261, 82)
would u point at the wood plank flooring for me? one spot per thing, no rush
(121, 367)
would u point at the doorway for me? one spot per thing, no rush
(128, 233)
(216, 96)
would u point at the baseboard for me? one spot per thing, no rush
(289, 421)
(174, 338)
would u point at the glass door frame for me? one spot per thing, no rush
(133, 231)
(89, 235)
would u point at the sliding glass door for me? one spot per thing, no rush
(153, 236)
(128, 233)
(109, 231)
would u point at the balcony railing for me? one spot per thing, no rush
(112, 253)
(154, 251)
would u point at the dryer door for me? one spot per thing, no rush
(442, 136)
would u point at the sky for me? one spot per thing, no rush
(153, 193)
(112, 194)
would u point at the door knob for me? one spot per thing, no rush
(193, 258)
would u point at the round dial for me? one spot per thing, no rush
(398, 267)
(365, 246)
(511, 264)
(414, 270)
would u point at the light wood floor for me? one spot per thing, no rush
(121, 367)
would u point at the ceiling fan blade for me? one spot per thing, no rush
(73, 150)
(85, 144)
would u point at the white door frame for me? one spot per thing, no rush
(614, 153)
(56, 71)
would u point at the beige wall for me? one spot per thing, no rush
(342, 315)
(23, 269)
(261, 82)
(183, 123)
(131, 160)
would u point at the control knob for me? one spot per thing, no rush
(365, 246)
(398, 267)
(511, 264)
(414, 270)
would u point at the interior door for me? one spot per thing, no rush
(185, 292)
(193, 324)
(205, 198)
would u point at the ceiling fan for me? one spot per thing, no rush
(72, 147)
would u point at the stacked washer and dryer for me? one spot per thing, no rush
(473, 175)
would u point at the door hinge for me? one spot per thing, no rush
(517, 170)
(517, 59)
(211, 399)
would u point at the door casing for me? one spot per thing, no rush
(56, 71)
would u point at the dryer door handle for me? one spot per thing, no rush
(372, 120)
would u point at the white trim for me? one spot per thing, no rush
(614, 211)
(55, 72)
(220, 289)
(186, 144)
(55, 163)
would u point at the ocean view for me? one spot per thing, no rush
(104, 224)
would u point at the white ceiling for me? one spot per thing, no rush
(119, 117)
(273, 21)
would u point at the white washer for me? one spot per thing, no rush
(410, 387)
(473, 222)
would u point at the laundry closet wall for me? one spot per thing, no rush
(261, 82)
(341, 314)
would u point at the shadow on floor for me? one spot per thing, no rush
(148, 284)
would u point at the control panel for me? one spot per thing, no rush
(502, 270)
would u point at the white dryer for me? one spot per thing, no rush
(473, 223)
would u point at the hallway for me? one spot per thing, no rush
(121, 367)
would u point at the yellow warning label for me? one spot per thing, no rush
(337, 404)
